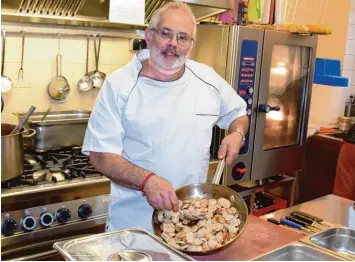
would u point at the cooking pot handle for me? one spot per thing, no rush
(31, 132)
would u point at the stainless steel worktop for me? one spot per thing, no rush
(330, 208)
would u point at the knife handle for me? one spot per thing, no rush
(314, 218)
(273, 220)
(290, 223)
(302, 223)
(302, 218)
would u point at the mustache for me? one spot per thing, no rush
(171, 50)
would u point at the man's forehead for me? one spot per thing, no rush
(176, 20)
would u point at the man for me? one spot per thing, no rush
(344, 185)
(151, 127)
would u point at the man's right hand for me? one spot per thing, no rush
(160, 194)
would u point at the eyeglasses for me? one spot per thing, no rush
(182, 39)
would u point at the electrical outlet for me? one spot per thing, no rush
(20, 84)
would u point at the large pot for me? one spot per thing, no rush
(12, 155)
(209, 191)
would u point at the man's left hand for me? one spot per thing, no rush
(230, 147)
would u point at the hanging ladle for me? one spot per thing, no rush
(97, 77)
(6, 83)
(86, 83)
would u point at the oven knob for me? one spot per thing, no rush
(9, 227)
(63, 215)
(249, 111)
(28, 223)
(250, 90)
(249, 101)
(46, 219)
(85, 211)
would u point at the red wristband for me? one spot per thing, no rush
(145, 181)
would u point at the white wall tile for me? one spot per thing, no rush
(40, 68)
(348, 74)
(348, 62)
(351, 32)
(352, 17)
(350, 47)
(353, 79)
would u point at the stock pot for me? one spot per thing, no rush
(12, 151)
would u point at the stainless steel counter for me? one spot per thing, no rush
(330, 208)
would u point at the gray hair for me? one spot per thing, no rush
(154, 21)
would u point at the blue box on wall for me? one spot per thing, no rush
(328, 72)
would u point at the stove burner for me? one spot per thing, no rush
(52, 167)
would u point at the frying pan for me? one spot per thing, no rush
(206, 190)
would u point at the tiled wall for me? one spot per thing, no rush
(327, 102)
(349, 59)
(40, 67)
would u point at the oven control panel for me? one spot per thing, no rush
(37, 218)
(246, 81)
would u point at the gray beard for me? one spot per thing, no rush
(157, 57)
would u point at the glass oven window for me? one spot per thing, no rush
(287, 86)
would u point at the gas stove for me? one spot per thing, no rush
(52, 167)
(59, 195)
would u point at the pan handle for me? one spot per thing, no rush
(219, 171)
(59, 58)
(31, 132)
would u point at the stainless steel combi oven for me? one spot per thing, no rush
(273, 72)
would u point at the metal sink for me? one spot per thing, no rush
(338, 240)
(297, 252)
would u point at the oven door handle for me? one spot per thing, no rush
(37, 255)
(268, 108)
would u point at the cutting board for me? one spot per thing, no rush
(258, 237)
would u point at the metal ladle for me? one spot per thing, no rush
(59, 88)
(6, 83)
(97, 76)
(86, 83)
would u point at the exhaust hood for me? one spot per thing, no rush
(94, 12)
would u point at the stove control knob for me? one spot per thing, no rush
(28, 223)
(85, 211)
(63, 215)
(46, 219)
(249, 101)
(250, 90)
(9, 226)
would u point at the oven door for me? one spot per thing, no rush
(283, 104)
(42, 249)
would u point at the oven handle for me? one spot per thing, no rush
(37, 256)
(268, 108)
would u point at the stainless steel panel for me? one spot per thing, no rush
(337, 240)
(99, 206)
(48, 232)
(59, 129)
(280, 160)
(102, 246)
(241, 34)
(297, 252)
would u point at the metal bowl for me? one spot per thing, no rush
(208, 191)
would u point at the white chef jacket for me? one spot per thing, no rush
(163, 127)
